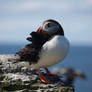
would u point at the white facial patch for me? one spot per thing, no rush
(50, 27)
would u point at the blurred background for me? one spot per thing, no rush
(20, 17)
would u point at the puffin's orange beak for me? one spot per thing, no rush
(38, 30)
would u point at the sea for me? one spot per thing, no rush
(79, 57)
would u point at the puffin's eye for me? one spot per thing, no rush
(49, 25)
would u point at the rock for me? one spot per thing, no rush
(16, 78)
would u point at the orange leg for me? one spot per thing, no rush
(49, 73)
(42, 77)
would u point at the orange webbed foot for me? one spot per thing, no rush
(51, 74)
(43, 78)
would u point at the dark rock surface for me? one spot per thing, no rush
(17, 78)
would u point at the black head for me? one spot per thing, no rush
(52, 27)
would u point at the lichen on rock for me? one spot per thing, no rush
(16, 78)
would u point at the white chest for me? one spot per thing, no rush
(53, 51)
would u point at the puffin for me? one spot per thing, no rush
(48, 46)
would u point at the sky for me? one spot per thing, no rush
(20, 17)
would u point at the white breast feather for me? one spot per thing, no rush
(53, 51)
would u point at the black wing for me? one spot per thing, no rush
(30, 52)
